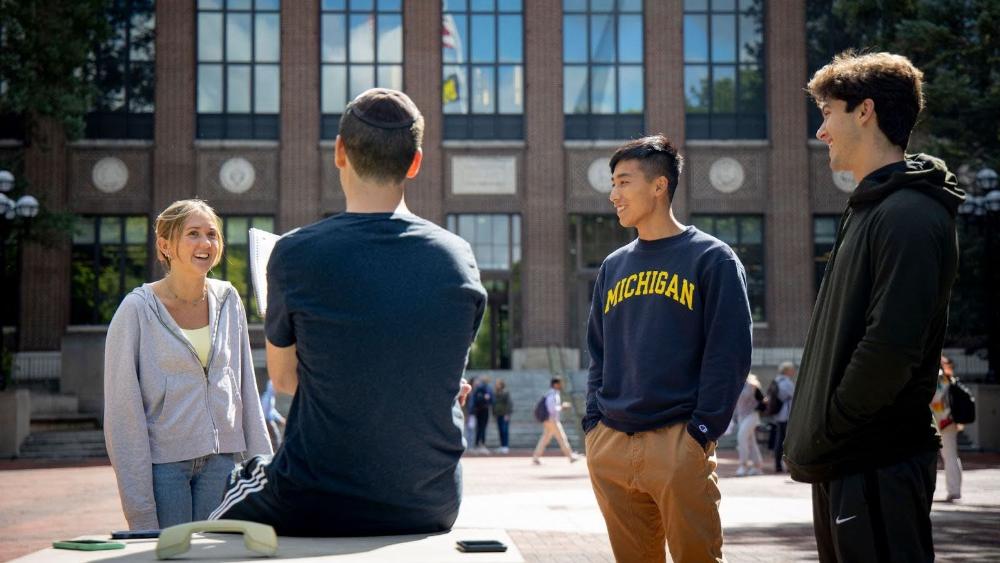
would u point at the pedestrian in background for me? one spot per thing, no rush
(482, 400)
(502, 408)
(785, 384)
(470, 417)
(949, 429)
(552, 427)
(747, 418)
(180, 397)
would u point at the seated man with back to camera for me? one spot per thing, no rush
(370, 317)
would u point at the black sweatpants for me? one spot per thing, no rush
(878, 515)
(482, 422)
(250, 496)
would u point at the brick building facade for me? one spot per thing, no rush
(542, 191)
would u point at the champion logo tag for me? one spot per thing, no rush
(703, 428)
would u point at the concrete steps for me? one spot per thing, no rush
(60, 431)
(64, 444)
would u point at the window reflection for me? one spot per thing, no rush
(235, 264)
(482, 81)
(239, 54)
(723, 75)
(124, 74)
(362, 48)
(108, 260)
(745, 234)
(602, 72)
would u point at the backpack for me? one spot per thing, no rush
(541, 409)
(772, 403)
(963, 405)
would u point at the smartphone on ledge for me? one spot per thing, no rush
(481, 546)
(87, 545)
(134, 534)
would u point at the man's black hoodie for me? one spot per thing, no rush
(871, 357)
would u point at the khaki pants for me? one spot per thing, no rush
(553, 429)
(653, 488)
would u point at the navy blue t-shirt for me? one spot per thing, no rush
(669, 336)
(382, 309)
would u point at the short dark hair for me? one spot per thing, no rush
(382, 130)
(555, 380)
(657, 157)
(891, 81)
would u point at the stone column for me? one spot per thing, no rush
(299, 185)
(45, 268)
(544, 319)
(174, 121)
(663, 30)
(788, 224)
(422, 82)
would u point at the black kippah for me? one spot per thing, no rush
(381, 124)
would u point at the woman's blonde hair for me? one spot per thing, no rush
(170, 222)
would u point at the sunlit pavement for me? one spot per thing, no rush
(548, 510)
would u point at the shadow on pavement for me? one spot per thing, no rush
(967, 535)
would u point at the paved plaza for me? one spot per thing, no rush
(548, 511)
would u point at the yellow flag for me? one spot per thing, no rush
(449, 90)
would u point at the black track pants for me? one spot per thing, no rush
(878, 515)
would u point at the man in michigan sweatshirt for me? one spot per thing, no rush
(670, 342)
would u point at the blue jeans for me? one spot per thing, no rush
(503, 427)
(186, 491)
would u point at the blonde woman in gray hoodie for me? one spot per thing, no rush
(180, 399)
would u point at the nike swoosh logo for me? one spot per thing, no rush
(840, 520)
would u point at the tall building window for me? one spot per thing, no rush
(108, 260)
(724, 69)
(496, 242)
(602, 69)
(362, 48)
(125, 74)
(824, 237)
(591, 239)
(745, 235)
(482, 48)
(239, 69)
(235, 264)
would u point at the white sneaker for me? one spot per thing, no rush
(754, 471)
(536, 461)
(574, 457)
(504, 450)
(741, 471)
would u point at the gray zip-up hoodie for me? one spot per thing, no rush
(162, 406)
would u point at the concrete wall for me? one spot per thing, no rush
(15, 420)
(83, 370)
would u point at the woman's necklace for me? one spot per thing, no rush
(191, 302)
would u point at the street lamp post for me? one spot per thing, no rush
(982, 207)
(24, 208)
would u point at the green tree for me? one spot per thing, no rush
(44, 59)
(956, 43)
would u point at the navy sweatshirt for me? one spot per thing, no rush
(669, 336)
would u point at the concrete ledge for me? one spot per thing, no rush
(15, 420)
(421, 548)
